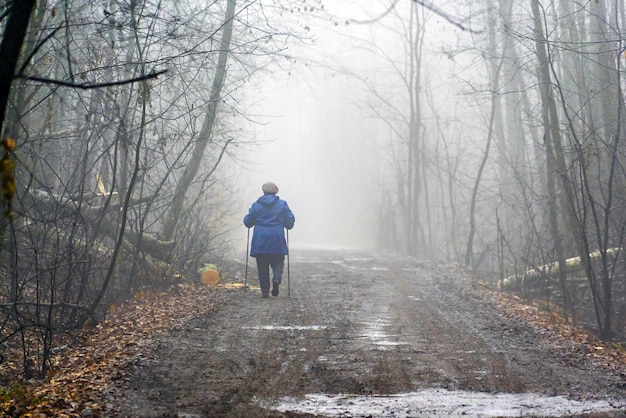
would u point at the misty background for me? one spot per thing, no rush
(136, 135)
(321, 141)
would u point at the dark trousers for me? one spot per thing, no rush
(263, 263)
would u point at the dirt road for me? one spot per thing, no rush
(366, 336)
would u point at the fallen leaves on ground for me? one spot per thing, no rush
(559, 334)
(82, 372)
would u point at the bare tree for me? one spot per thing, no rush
(101, 145)
(207, 125)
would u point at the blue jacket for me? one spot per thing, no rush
(269, 215)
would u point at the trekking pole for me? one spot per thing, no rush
(245, 277)
(288, 278)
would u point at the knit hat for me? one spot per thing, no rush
(270, 188)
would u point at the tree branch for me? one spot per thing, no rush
(27, 60)
(88, 86)
(446, 16)
(376, 19)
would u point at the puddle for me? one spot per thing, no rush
(439, 402)
(356, 259)
(388, 345)
(375, 332)
(363, 264)
(311, 260)
(289, 327)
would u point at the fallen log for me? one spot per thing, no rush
(93, 216)
(552, 270)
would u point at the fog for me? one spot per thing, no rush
(319, 139)
(320, 157)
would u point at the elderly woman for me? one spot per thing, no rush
(269, 215)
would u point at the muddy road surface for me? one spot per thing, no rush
(364, 335)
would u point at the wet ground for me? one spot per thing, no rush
(364, 336)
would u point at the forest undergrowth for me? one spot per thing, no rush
(86, 361)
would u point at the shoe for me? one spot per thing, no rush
(265, 295)
(275, 289)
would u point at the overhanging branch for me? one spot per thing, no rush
(446, 16)
(88, 86)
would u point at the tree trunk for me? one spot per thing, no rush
(495, 69)
(206, 131)
(12, 41)
(553, 134)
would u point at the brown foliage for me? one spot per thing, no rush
(86, 367)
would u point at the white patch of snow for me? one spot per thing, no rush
(439, 402)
